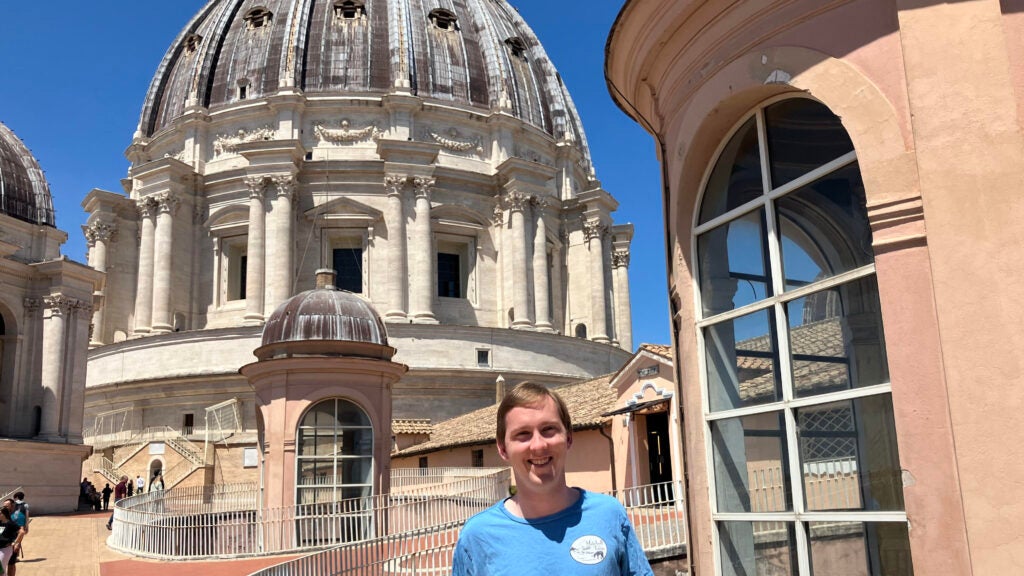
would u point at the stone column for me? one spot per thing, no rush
(144, 285)
(398, 276)
(421, 267)
(52, 369)
(256, 267)
(517, 203)
(162, 262)
(75, 400)
(98, 235)
(279, 244)
(623, 313)
(541, 280)
(594, 232)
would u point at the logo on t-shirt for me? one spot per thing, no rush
(588, 550)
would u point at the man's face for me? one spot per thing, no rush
(535, 445)
(9, 505)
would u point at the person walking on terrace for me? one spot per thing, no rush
(573, 531)
(120, 491)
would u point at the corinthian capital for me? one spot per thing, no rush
(256, 186)
(423, 186)
(99, 232)
(59, 304)
(594, 229)
(31, 305)
(394, 184)
(284, 185)
(167, 203)
(147, 207)
(620, 259)
(516, 201)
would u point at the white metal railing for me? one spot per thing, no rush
(171, 476)
(221, 521)
(109, 470)
(656, 512)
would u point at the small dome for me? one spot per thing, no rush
(325, 314)
(24, 193)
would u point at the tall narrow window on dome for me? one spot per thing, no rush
(334, 463)
(243, 89)
(799, 416)
(257, 18)
(192, 43)
(349, 10)
(516, 47)
(444, 19)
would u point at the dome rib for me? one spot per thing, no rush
(24, 193)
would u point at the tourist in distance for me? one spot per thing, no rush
(569, 530)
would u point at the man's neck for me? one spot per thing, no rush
(537, 505)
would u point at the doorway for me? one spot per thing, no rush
(658, 455)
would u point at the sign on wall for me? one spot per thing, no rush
(250, 458)
(156, 448)
(648, 371)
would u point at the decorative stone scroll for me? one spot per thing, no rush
(453, 143)
(517, 201)
(346, 135)
(228, 144)
(593, 229)
(100, 231)
(284, 185)
(620, 259)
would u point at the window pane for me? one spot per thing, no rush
(357, 470)
(751, 470)
(849, 457)
(860, 549)
(321, 415)
(757, 548)
(741, 360)
(356, 442)
(836, 339)
(802, 135)
(449, 276)
(736, 178)
(351, 415)
(824, 228)
(348, 264)
(733, 264)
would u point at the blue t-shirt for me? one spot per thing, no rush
(593, 537)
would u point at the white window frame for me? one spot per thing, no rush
(464, 237)
(776, 305)
(334, 238)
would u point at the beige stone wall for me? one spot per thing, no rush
(49, 474)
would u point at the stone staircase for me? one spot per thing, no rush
(192, 454)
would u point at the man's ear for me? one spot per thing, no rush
(568, 440)
(502, 452)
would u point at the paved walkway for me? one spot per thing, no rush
(75, 545)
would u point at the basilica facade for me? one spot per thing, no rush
(425, 151)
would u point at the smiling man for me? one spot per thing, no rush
(547, 528)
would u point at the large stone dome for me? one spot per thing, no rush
(471, 53)
(24, 193)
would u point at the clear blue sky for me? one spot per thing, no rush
(73, 76)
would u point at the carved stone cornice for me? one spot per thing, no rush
(100, 232)
(284, 185)
(620, 259)
(423, 186)
(346, 135)
(228, 144)
(594, 229)
(31, 305)
(394, 184)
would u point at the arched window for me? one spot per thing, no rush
(258, 18)
(581, 331)
(334, 453)
(798, 400)
(349, 9)
(444, 19)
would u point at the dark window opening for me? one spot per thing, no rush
(478, 459)
(188, 424)
(243, 271)
(517, 47)
(348, 265)
(423, 461)
(483, 357)
(192, 43)
(258, 18)
(243, 91)
(443, 19)
(449, 276)
(581, 330)
(349, 10)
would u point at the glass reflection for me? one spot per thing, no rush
(849, 457)
(757, 548)
(741, 358)
(751, 473)
(733, 264)
(860, 549)
(824, 228)
(736, 178)
(802, 135)
(836, 339)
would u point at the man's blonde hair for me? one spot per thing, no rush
(529, 394)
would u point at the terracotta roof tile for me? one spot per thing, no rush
(659, 349)
(411, 426)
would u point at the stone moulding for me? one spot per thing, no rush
(453, 143)
(228, 144)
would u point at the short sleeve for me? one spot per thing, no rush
(462, 563)
(634, 558)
